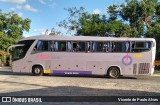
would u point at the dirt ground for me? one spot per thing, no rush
(17, 84)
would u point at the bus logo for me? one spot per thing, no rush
(127, 60)
(43, 56)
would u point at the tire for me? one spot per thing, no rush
(45, 74)
(113, 72)
(37, 70)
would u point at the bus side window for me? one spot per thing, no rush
(55, 45)
(112, 47)
(88, 46)
(42, 46)
(140, 46)
(127, 46)
(147, 45)
(100, 46)
(81, 46)
(132, 46)
(45, 46)
(117, 46)
(39, 46)
(69, 46)
(60, 46)
(107, 47)
(94, 46)
(75, 47)
(50, 45)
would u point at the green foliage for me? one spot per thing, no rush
(1, 58)
(11, 28)
(71, 23)
(92, 24)
(88, 24)
(135, 18)
(139, 14)
(155, 33)
(7, 60)
(113, 12)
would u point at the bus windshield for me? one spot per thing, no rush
(18, 53)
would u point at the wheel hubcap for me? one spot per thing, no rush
(113, 73)
(37, 70)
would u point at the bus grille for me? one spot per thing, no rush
(144, 68)
(134, 69)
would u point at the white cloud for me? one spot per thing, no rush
(41, 31)
(52, 5)
(20, 14)
(44, 32)
(27, 34)
(14, 1)
(42, 2)
(12, 9)
(96, 11)
(26, 7)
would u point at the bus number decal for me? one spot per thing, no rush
(137, 55)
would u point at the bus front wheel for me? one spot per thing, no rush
(113, 72)
(37, 70)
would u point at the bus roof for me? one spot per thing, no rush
(85, 38)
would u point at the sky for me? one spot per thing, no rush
(45, 14)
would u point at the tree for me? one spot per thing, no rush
(71, 24)
(54, 32)
(134, 18)
(11, 28)
(84, 23)
(92, 25)
(138, 14)
(142, 17)
(155, 33)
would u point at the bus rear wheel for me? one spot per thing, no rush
(113, 72)
(37, 70)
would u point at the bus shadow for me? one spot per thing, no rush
(93, 76)
(81, 92)
(71, 91)
(14, 73)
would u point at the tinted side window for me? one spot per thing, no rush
(141, 46)
(42, 46)
(117, 47)
(60, 45)
(88, 46)
(120, 46)
(79, 46)
(69, 46)
(101, 46)
(27, 45)
(97, 46)
(126, 46)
